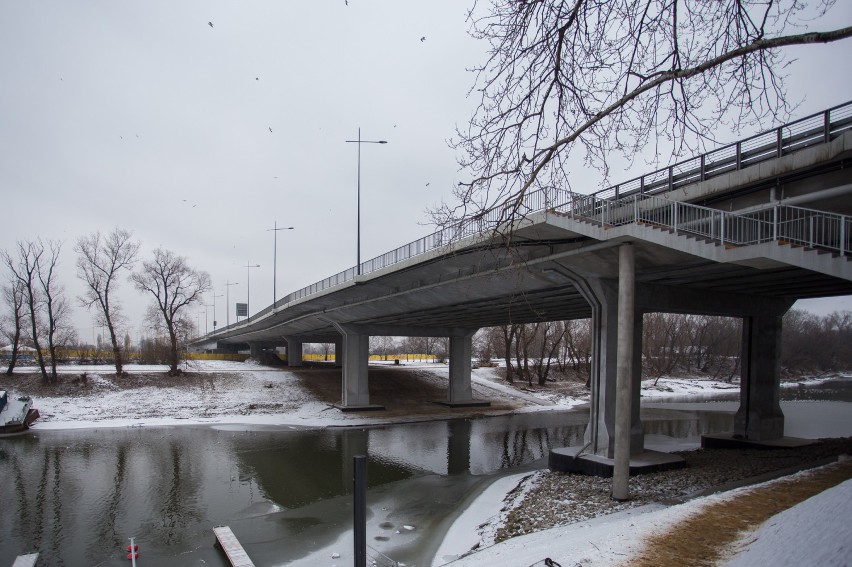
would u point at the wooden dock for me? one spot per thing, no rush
(231, 546)
(28, 560)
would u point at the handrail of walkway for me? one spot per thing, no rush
(811, 130)
(636, 201)
(782, 223)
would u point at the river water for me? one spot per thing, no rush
(77, 496)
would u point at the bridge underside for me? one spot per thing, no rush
(553, 274)
(561, 267)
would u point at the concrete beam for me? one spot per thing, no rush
(407, 331)
(669, 299)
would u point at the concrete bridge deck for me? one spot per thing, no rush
(735, 236)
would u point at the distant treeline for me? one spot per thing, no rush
(672, 345)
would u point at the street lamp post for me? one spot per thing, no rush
(206, 329)
(275, 230)
(359, 141)
(249, 266)
(214, 309)
(228, 285)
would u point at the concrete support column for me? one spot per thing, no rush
(255, 350)
(461, 349)
(624, 372)
(759, 417)
(356, 348)
(294, 352)
(338, 352)
(600, 434)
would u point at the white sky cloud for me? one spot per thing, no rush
(139, 114)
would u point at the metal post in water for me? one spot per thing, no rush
(360, 508)
(132, 553)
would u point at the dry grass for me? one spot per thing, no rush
(705, 537)
(75, 384)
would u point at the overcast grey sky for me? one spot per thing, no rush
(139, 114)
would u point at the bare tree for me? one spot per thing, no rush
(577, 348)
(510, 335)
(13, 299)
(382, 346)
(609, 76)
(550, 341)
(174, 286)
(24, 269)
(664, 337)
(56, 308)
(100, 261)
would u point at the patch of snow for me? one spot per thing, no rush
(807, 534)
(811, 533)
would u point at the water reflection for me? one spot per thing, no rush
(77, 496)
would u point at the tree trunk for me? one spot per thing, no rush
(15, 342)
(116, 348)
(508, 335)
(51, 346)
(37, 347)
(174, 361)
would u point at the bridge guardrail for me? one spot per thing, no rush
(639, 199)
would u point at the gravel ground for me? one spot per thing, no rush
(546, 499)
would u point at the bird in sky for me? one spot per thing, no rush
(270, 128)
(210, 24)
(423, 38)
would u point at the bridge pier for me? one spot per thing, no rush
(459, 389)
(759, 417)
(294, 352)
(356, 355)
(600, 434)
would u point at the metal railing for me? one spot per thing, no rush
(782, 223)
(815, 129)
(640, 200)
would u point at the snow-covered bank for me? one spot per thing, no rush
(251, 394)
(810, 533)
(224, 392)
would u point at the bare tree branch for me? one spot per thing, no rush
(100, 261)
(610, 76)
(174, 286)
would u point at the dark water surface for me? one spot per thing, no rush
(77, 496)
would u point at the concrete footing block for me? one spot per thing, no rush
(728, 441)
(569, 459)
(467, 404)
(369, 407)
